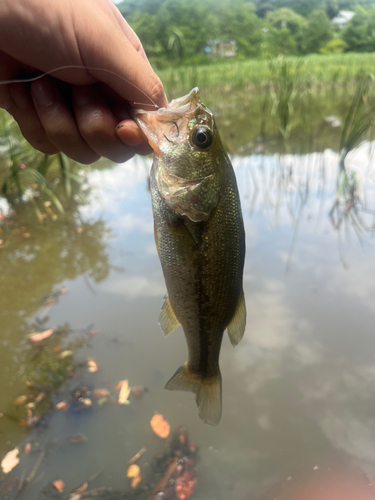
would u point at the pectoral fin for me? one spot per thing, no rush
(167, 319)
(236, 327)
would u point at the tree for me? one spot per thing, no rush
(359, 33)
(316, 33)
(286, 18)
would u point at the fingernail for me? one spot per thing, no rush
(43, 93)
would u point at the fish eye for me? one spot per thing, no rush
(201, 137)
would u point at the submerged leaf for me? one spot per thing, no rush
(59, 485)
(92, 365)
(160, 426)
(10, 461)
(78, 438)
(134, 472)
(124, 393)
(20, 400)
(38, 337)
(63, 405)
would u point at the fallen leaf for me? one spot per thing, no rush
(63, 405)
(26, 235)
(133, 471)
(57, 348)
(59, 485)
(92, 365)
(124, 393)
(79, 230)
(64, 289)
(119, 385)
(87, 401)
(39, 398)
(100, 393)
(30, 406)
(10, 461)
(135, 481)
(38, 337)
(75, 497)
(47, 203)
(78, 438)
(27, 448)
(102, 401)
(22, 423)
(20, 400)
(160, 426)
(66, 354)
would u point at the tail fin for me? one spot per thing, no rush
(206, 390)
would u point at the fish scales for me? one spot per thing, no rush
(201, 243)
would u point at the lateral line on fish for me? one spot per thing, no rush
(38, 77)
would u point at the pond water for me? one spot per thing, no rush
(298, 391)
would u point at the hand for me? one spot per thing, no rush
(76, 111)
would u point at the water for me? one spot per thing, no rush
(298, 390)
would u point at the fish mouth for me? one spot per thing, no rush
(168, 125)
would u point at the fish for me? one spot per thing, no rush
(200, 239)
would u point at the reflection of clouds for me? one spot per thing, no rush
(130, 222)
(134, 287)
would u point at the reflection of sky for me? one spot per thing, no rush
(299, 388)
(308, 321)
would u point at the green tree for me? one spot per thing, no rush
(359, 33)
(279, 42)
(286, 18)
(316, 33)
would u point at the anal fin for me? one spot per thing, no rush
(167, 319)
(236, 327)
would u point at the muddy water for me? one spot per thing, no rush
(298, 391)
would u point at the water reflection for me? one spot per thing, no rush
(298, 389)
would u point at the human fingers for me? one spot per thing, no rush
(21, 107)
(129, 73)
(129, 133)
(97, 123)
(58, 121)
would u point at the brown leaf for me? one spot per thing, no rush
(59, 485)
(38, 337)
(27, 448)
(10, 461)
(160, 426)
(135, 481)
(63, 405)
(20, 400)
(124, 393)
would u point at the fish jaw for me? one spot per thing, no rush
(168, 127)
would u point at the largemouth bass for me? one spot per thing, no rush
(200, 239)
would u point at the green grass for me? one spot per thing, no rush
(322, 72)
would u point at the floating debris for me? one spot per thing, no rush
(160, 426)
(59, 485)
(10, 461)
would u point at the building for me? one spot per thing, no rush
(342, 18)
